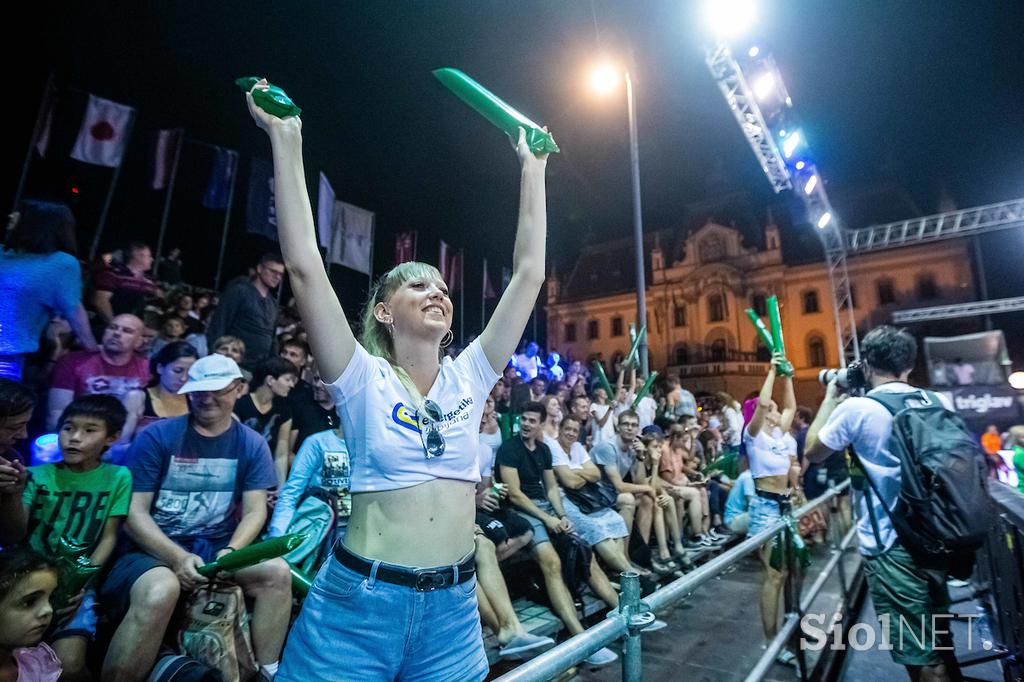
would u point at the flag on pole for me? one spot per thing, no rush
(325, 211)
(488, 288)
(454, 278)
(261, 213)
(351, 238)
(218, 187)
(405, 247)
(43, 141)
(444, 258)
(167, 142)
(104, 133)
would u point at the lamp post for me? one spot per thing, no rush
(604, 80)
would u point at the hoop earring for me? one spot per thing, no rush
(447, 339)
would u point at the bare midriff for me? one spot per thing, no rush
(425, 525)
(773, 484)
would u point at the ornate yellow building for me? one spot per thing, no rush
(700, 283)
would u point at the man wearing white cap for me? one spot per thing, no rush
(200, 491)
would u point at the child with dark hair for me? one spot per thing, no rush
(17, 402)
(81, 500)
(266, 409)
(26, 582)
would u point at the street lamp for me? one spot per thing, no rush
(604, 80)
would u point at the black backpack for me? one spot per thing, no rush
(943, 512)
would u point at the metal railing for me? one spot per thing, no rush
(635, 614)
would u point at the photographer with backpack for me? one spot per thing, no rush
(919, 489)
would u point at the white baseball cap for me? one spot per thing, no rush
(211, 373)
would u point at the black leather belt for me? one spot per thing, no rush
(420, 579)
(782, 500)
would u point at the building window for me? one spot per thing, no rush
(679, 316)
(816, 352)
(718, 350)
(616, 326)
(886, 292)
(716, 308)
(760, 304)
(570, 332)
(926, 287)
(811, 302)
(682, 356)
(592, 330)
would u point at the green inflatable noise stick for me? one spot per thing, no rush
(273, 100)
(762, 330)
(500, 114)
(75, 569)
(646, 389)
(634, 350)
(779, 345)
(253, 554)
(602, 379)
(300, 581)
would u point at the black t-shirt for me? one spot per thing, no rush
(309, 418)
(530, 464)
(267, 425)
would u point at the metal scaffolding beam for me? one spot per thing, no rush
(966, 222)
(948, 312)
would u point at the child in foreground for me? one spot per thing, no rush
(26, 582)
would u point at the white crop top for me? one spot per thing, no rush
(380, 427)
(769, 452)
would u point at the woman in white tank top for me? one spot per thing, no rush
(771, 453)
(397, 600)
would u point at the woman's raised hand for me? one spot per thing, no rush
(267, 121)
(527, 159)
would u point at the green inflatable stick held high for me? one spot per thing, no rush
(779, 344)
(254, 554)
(496, 111)
(761, 330)
(602, 379)
(646, 389)
(273, 100)
(634, 350)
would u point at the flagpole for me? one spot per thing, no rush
(110, 192)
(40, 122)
(167, 203)
(483, 298)
(462, 299)
(227, 222)
(373, 229)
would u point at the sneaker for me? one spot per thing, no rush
(786, 657)
(724, 530)
(663, 566)
(957, 583)
(525, 643)
(715, 537)
(702, 540)
(602, 657)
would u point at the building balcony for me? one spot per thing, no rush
(722, 368)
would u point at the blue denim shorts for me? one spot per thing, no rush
(763, 513)
(354, 627)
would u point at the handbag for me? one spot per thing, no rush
(591, 498)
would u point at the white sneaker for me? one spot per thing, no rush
(602, 657)
(656, 625)
(953, 582)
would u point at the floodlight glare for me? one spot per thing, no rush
(730, 17)
(604, 79)
(789, 146)
(1017, 381)
(782, 133)
(800, 165)
(754, 51)
(812, 182)
(824, 220)
(764, 85)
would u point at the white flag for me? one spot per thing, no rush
(325, 211)
(351, 242)
(104, 133)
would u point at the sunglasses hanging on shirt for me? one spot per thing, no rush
(429, 417)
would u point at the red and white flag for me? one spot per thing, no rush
(104, 133)
(165, 155)
(405, 247)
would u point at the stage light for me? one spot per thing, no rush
(605, 79)
(74, 190)
(46, 449)
(790, 145)
(764, 85)
(754, 51)
(824, 220)
(812, 182)
(789, 101)
(1017, 381)
(800, 165)
(782, 133)
(730, 17)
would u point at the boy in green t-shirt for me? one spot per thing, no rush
(84, 500)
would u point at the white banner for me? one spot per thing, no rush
(104, 133)
(325, 211)
(351, 238)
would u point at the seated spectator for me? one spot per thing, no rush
(680, 401)
(297, 352)
(579, 407)
(234, 348)
(26, 582)
(115, 369)
(122, 288)
(39, 279)
(538, 389)
(524, 465)
(16, 405)
(490, 427)
(737, 506)
(169, 268)
(603, 428)
(688, 495)
(172, 328)
(508, 531)
(320, 413)
(666, 518)
(266, 411)
(200, 492)
(169, 368)
(100, 492)
(527, 363)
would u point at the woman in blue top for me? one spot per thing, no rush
(397, 600)
(39, 278)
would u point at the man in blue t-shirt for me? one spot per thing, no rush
(200, 492)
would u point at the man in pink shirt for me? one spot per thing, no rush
(115, 369)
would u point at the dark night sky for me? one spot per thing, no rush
(926, 94)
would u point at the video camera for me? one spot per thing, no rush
(850, 378)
